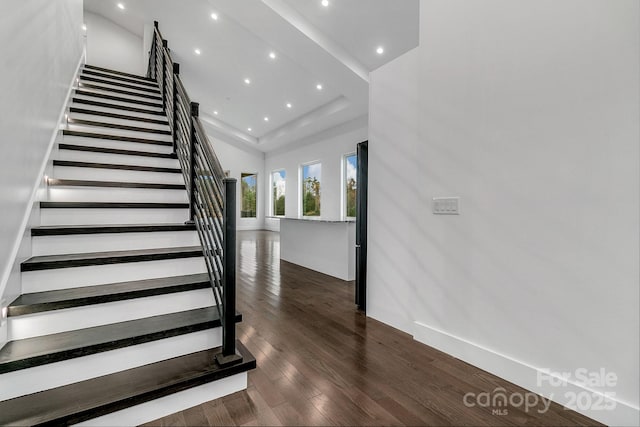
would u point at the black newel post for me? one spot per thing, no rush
(229, 355)
(195, 112)
(176, 72)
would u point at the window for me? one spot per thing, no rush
(277, 192)
(249, 203)
(311, 177)
(350, 184)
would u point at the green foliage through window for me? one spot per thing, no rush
(248, 183)
(311, 177)
(351, 178)
(278, 192)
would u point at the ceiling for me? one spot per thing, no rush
(334, 46)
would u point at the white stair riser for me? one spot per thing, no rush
(122, 103)
(116, 175)
(52, 322)
(116, 121)
(73, 216)
(119, 132)
(119, 145)
(158, 408)
(75, 277)
(109, 89)
(115, 194)
(114, 78)
(45, 377)
(80, 243)
(117, 111)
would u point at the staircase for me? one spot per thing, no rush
(117, 318)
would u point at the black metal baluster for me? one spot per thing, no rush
(176, 73)
(165, 45)
(195, 112)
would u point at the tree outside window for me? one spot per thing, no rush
(249, 199)
(278, 192)
(351, 184)
(311, 177)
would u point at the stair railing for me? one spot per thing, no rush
(212, 196)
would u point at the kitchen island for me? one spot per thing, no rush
(322, 245)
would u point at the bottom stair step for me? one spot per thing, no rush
(89, 399)
(42, 350)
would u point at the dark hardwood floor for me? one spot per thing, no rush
(322, 363)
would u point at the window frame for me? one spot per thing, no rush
(242, 176)
(301, 189)
(272, 208)
(344, 185)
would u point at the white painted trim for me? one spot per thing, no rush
(38, 180)
(523, 375)
(332, 107)
(334, 49)
(158, 408)
(348, 126)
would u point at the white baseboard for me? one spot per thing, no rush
(526, 376)
(171, 404)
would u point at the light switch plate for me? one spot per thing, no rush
(446, 205)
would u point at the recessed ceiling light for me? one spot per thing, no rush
(120, 6)
(197, 51)
(272, 55)
(84, 27)
(215, 113)
(325, 3)
(266, 119)
(214, 16)
(249, 129)
(319, 86)
(289, 105)
(247, 81)
(380, 50)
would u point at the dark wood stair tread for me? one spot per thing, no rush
(120, 73)
(116, 98)
(120, 87)
(150, 84)
(112, 205)
(85, 122)
(139, 168)
(42, 350)
(124, 91)
(77, 297)
(88, 399)
(95, 103)
(65, 230)
(47, 262)
(98, 77)
(117, 116)
(68, 132)
(107, 150)
(55, 182)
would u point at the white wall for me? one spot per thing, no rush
(41, 50)
(328, 148)
(112, 46)
(239, 159)
(529, 112)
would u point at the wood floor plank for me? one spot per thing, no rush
(320, 362)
